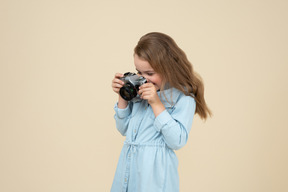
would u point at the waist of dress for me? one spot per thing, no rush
(139, 144)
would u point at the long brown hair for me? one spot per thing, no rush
(168, 60)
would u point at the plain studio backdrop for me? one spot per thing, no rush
(57, 61)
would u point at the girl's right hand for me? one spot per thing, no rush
(117, 83)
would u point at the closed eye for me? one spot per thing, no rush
(145, 72)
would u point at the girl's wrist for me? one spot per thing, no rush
(122, 103)
(157, 108)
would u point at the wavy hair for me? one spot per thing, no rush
(171, 63)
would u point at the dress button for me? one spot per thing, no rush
(134, 130)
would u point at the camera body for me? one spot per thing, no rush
(131, 87)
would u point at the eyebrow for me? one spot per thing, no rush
(151, 71)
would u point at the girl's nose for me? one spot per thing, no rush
(144, 77)
(147, 79)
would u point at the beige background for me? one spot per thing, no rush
(57, 60)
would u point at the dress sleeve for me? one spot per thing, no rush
(122, 117)
(176, 126)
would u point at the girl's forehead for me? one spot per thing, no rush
(142, 65)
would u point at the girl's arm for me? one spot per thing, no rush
(122, 117)
(122, 109)
(176, 126)
(122, 103)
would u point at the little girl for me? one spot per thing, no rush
(160, 122)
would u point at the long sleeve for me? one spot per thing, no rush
(122, 117)
(176, 126)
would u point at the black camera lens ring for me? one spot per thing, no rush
(128, 92)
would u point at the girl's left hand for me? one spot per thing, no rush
(148, 92)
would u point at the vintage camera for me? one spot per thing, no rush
(131, 86)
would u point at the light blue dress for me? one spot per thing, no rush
(147, 161)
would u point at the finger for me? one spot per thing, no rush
(150, 90)
(146, 91)
(146, 86)
(118, 75)
(116, 90)
(117, 85)
(146, 96)
(117, 81)
(149, 86)
(142, 91)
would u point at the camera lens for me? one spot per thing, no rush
(128, 92)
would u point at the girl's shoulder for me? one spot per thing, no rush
(172, 96)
